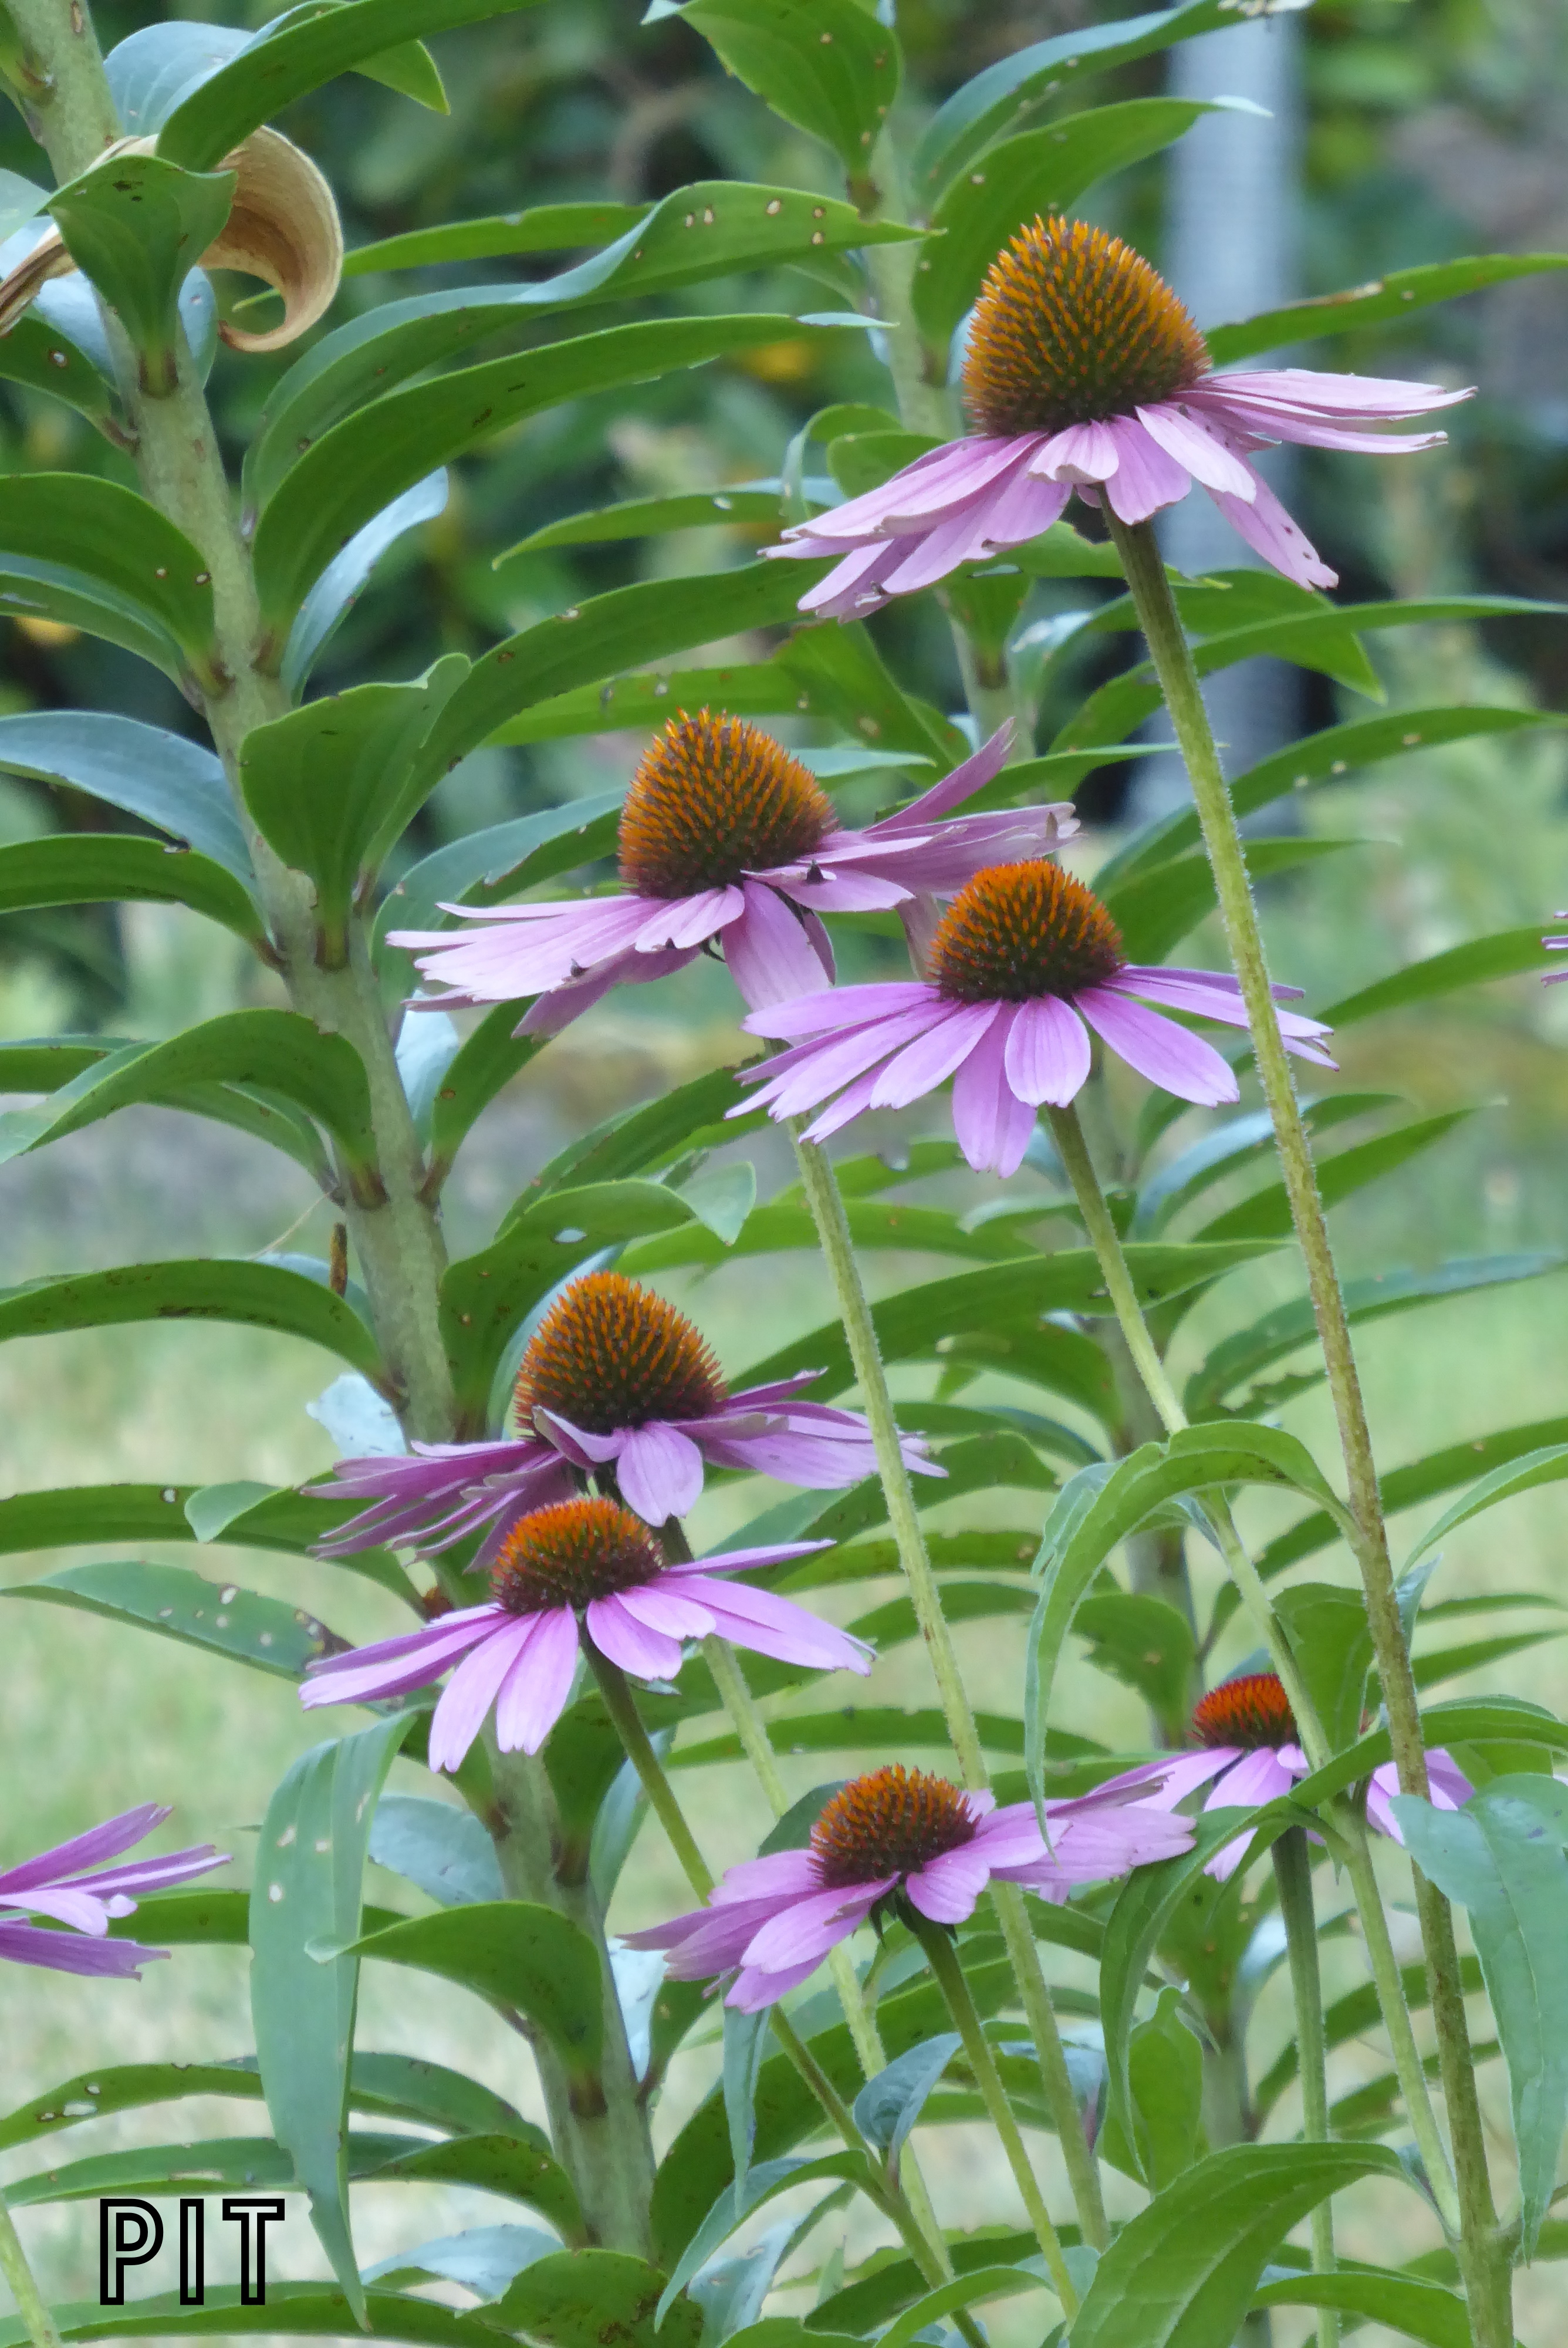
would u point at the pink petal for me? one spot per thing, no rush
(107, 1841)
(853, 1102)
(781, 1875)
(770, 1625)
(991, 1124)
(930, 484)
(1269, 530)
(659, 1472)
(1169, 1781)
(1327, 395)
(1146, 478)
(1167, 1055)
(471, 1690)
(857, 583)
(687, 921)
(770, 956)
(646, 1655)
(535, 1692)
(1084, 452)
(808, 1928)
(957, 539)
(676, 1611)
(1048, 1056)
(843, 1006)
(822, 1068)
(946, 1887)
(932, 1057)
(77, 1908)
(1198, 447)
(1261, 1775)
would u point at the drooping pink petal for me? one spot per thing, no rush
(152, 1874)
(1165, 1782)
(771, 1625)
(778, 1875)
(856, 584)
(932, 1057)
(1448, 1789)
(1023, 509)
(535, 1690)
(816, 1070)
(852, 1102)
(1319, 393)
(1048, 1056)
(71, 1952)
(392, 1667)
(1269, 530)
(843, 1006)
(1200, 448)
(571, 998)
(946, 1887)
(105, 1841)
(1260, 1776)
(79, 1910)
(471, 1690)
(1167, 1055)
(687, 921)
(575, 1443)
(1083, 452)
(809, 1927)
(659, 1472)
(647, 1654)
(1094, 1847)
(770, 955)
(956, 538)
(992, 1125)
(933, 482)
(1147, 477)
(503, 961)
(672, 1606)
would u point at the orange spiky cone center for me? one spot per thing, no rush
(1018, 931)
(610, 1353)
(572, 1554)
(890, 1822)
(1253, 1712)
(714, 798)
(1073, 326)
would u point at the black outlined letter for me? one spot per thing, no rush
(120, 2246)
(238, 2210)
(192, 2253)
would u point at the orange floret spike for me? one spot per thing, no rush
(1252, 1712)
(890, 1822)
(572, 1554)
(1018, 931)
(610, 1354)
(713, 798)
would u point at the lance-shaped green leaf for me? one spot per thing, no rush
(503, 860)
(310, 1871)
(84, 867)
(162, 777)
(736, 2203)
(1325, 757)
(524, 2171)
(1332, 1643)
(530, 1960)
(572, 2299)
(1396, 295)
(1182, 2273)
(542, 227)
(827, 66)
(1156, 910)
(301, 51)
(1502, 1859)
(1144, 1642)
(1038, 171)
(359, 466)
(868, 1727)
(774, 1228)
(1503, 955)
(1267, 1214)
(325, 784)
(882, 2287)
(134, 224)
(340, 586)
(1547, 1465)
(40, 355)
(652, 518)
(1502, 1720)
(292, 2309)
(152, 72)
(223, 1287)
(119, 545)
(488, 1057)
(888, 2104)
(641, 1141)
(266, 1632)
(969, 2290)
(279, 1052)
(1241, 1141)
(992, 101)
(484, 1297)
(1403, 2303)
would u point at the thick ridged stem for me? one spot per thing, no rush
(1293, 1875)
(1487, 2278)
(29, 2299)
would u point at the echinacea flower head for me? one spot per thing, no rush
(55, 1884)
(727, 843)
(1556, 945)
(584, 1573)
(1248, 1753)
(1084, 371)
(892, 1837)
(615, 1383)
(1025, 962)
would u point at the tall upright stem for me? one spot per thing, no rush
(30, 2302)
(1292, 1874)
(1487, 2278)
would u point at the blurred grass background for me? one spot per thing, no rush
(1431, 128)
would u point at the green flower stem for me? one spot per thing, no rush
(942, 1956)
(752, 1730)
(892, 2201)
(827, 1203)
(1293, 1875)
(1486, 2278)
(1073, 1150)
(29, 2299)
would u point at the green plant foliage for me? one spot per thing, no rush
(132, 225)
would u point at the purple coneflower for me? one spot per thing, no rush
(1084, 371)
(586, 1574)
(615, 1382)
(1022, 958)
(1556, 945)
(1248, 1754)
(897, 1834)
(727, 841)
(53, 1885)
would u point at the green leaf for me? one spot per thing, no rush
(991, 102)
(134, 224)
(441, 1847)
(883, 2285)
(1502, 1860)
(348, 476)
(165, 779)
(326, 784)
(1155, 911)
(643, 1140)
(308, 1886)
(153, 71)
(1239, 1141)
(868, 1727)
(1183, 2272)
(265, 1633)
(222, 1288)
(246, 1515)
(121, 548)
(292, 2309)
(963, 2290)
(738, 2201)
(1016, 1295)
(524, 2171)
(530, 1960)
(1165, 2064)
(1144, 1642)
(577, 2298)
(544, 228)
(120, 867)
(651, 516)
(889, 2105)
(1548, 1466)
(484, 1297)
(1332, 1643)
(1504, 956)
(343, 582)
(280, 1052)
(504, 860)
(1422, 2310)
(777, 1228)
(827, 66)
(1494, 1720)
(211, 2161)
(1267, 1214)
(488, 1057)
(301, 52)
(1385, 299)
(35, 352)
(1038, 171)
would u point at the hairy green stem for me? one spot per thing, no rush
(1487, 2281)
(942, 1956)
(1293, 1875)
(30, 2302)
(826, 1204)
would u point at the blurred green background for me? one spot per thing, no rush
(1432, 127)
